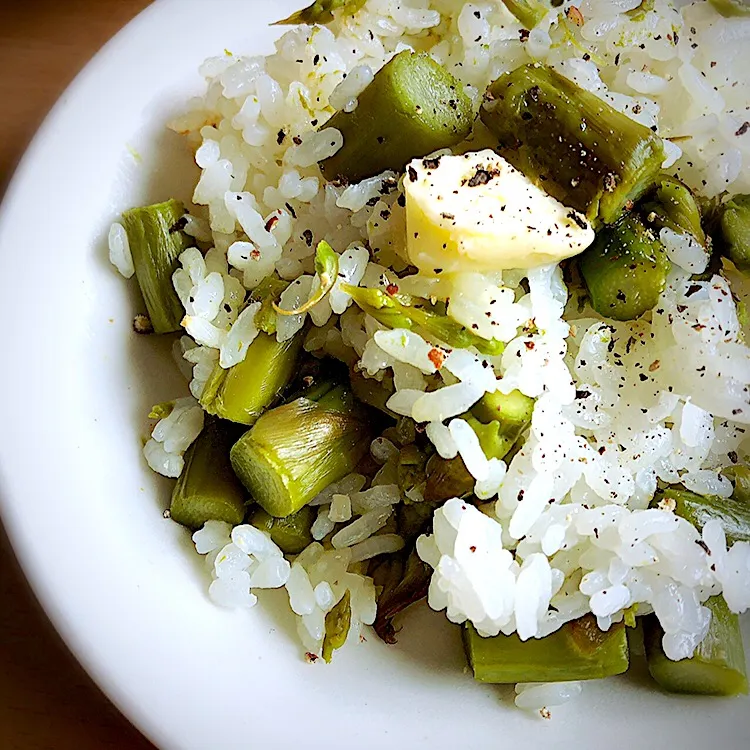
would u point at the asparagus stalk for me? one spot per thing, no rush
(291, 534)
(296, 450)
(731, 8)
(207, 489)
(321, 11)
(733, 513)
(338, 622)
(735, 230)
(266, 292)
(625, 270)
(409, 584)
(577, 147)
(528, 12)
(242, 392)
(412, 107)
(739, 476)
(716, 668)
(415, 313)
(675, 207)
(578, 651)
(498, 420)
(156, 241)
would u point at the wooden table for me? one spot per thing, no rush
(47, 702)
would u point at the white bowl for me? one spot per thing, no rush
(84, 513)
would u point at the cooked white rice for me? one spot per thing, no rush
(618, 405)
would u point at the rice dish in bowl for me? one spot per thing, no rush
(537, 464)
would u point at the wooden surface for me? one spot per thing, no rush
(47, 702)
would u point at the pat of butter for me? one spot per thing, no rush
(476, 212)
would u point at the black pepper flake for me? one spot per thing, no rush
(523, 34)
(733, 457)
(412, 174)
(575, 218)
(401, 200)
(280, 137)
(481, 177)
(291, 210)
(583, 394)
(642, 377)
(703, 546)
(308, 237)
(431, 163)
(743, 128)
(316, 59)
(297, 140)
(617, 59)
(448, 217)
(381, 139)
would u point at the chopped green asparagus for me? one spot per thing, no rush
(241, 393)
(579, 149)
(739, 476)
(413, 107)
(156, 240)
(266, 293)
(292, 534)
(415, 313)
(578, 651)
(625, 270)
(338, 621)
(498, 420)
(294, 451)
(675, 207)
(321, 11)
(207, 489)
(373, 392)
(731, 8)
(409, 585)
(528, 12)
(735, 230)
(327, 268)
(716, 668)
(699, 509)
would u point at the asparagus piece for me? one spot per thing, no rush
(625, 270)
(338, 622)
(528, 12)
(716, 668)
(739, 476)
(578, 651)
(242, 392)
(207, 489)
(411, 467)
(156, 240)
(578, 148)
(321, 11)
(327, 268)
(498, 420)
(399, 592)
(735, 230)
(415, 313)
(675, 207)
(373, 392)
(412, 107)
(294, 451)
(733, 513)
(731, 8)
(291, 534)
(266, 292)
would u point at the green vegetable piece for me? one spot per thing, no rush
(636, 15)
(625, 270)
(413, 107)
(399, 592)
(578, 651)
(512, 409)
(739, 476)
(415, 313)
(160, 411)
(327, 268)
(373, 392)
(294, 451)
(156, 240)
(338, 622)
(266, 293)
(411, 467)
(241, 393)
(528, 12)
(731, 8)
(716, 668)
(735, 230)
(321, 12)
(446, 478)
(291, 534)
(207, 489)
(699, 509)
(577, 147)
(674, 206)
